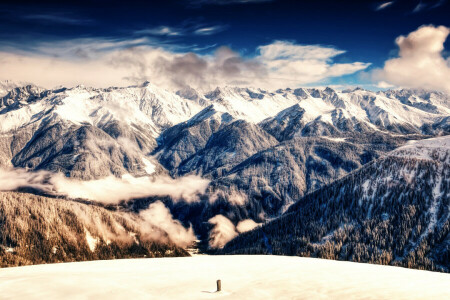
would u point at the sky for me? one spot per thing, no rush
(206, 43)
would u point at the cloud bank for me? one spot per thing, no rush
(420, 63)
(104, 63)
(109, 190)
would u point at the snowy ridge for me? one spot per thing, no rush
(145, 105)
(377, 110)
(156, 108)
(428, 149)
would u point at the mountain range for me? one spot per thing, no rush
(264, 154)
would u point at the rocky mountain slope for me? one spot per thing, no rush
(87, 133)
(395, 210)
(82, 123)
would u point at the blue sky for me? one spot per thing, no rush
(362, 31)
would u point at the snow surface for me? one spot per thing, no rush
(423, 149)
(243, 277)
(92, 242)
(149, 167)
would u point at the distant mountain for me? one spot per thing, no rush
(87, 133)
(395, 210)
(6, 86)
(72, 130)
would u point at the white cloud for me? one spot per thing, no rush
(161, 30)
(159, 216)
(384, 85)
(155, 223)
(107, 63)
(109, 190)
(209, 30)
(384, 5)
(223, 231)
(420, 63)
(287, 50)
(246, 225)
(291, 64)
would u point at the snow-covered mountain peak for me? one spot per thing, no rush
(6, 86)
(377, 110)
(211, 112)
(400, 111)
(189, 93)
(291, 112)
(301, 93)
(21, 95)
(148, 106)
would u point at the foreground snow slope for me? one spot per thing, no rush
(243, 277)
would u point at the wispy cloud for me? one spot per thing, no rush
(411, 7)
(279, 50)
(57, 18)
(162, 31)
(209, 30)
(384, 85)
(438, 4)
(419, 7)
(188, 28)
(384, 5)
(428, 5)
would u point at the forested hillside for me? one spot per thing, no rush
(35, 230)
(394, 211)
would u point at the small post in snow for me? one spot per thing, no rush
(219, 285)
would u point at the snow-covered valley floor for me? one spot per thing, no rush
(243, 277)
